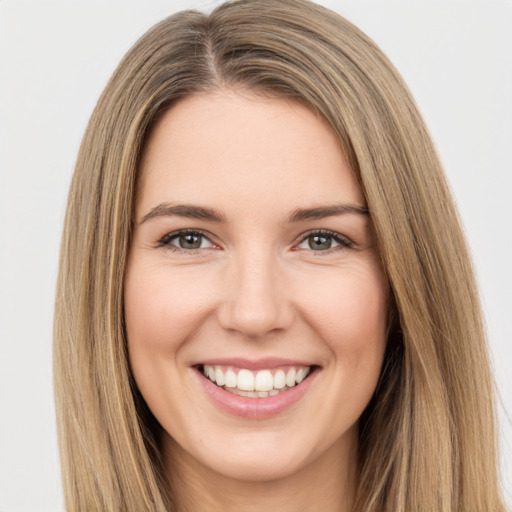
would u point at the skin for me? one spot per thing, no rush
(254, 288)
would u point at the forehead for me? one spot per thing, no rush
(230, 145)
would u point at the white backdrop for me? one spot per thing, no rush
(55, 58)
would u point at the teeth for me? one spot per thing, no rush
(239, 392)
(290, 378)
(279, 379)
(258, 384)
(245, 380)
(230, 379)
(254, 394)
(264, 381)
(299, 376)
(219, 377)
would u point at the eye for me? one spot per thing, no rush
(323, 241)
(186, 240)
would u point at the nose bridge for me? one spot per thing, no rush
(256, 303)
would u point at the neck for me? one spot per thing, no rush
(327, 484)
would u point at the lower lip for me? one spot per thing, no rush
(256, 408)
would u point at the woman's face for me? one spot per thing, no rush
(253, 262)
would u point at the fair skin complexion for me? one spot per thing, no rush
(278, 270)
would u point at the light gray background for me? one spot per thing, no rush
(55, 58)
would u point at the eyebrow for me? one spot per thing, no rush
(212, 215)
(321, 212)
(184, 210)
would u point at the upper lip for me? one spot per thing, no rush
(253, 364)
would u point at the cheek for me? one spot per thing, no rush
(162, 311)
(350, 306)
(363, 317)
(147, 330)
(349, 311)
(162, 308)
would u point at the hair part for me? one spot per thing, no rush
(427, 438)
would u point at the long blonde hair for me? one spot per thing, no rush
(427, 438)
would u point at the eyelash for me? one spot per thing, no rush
(344, 243)
(167, 239)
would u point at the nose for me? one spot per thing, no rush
(256, 300)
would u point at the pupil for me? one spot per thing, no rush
(317, 242)
(190, 242)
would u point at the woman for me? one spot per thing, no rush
(265, 299)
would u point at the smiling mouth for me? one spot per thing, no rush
(256, 384)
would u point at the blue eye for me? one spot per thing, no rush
(186, 240)
(322, 241)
